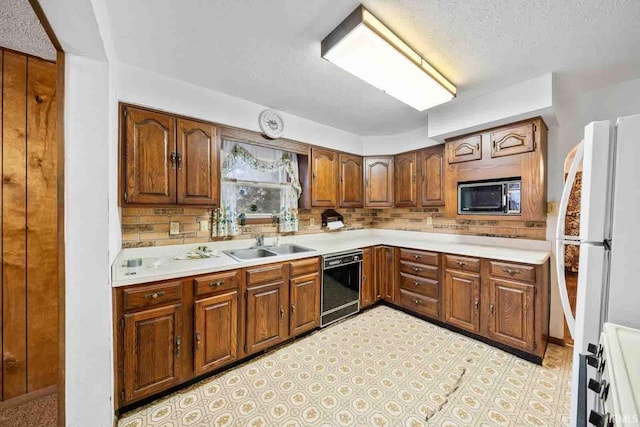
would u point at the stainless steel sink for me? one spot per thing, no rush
(245, 254)
(253, 253)
(289, 249)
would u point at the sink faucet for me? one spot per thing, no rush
(260, 240)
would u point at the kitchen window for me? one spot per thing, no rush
(259, 184)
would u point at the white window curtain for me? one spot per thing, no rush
(257, 164)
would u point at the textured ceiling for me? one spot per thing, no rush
(269, 51)
(21, 30)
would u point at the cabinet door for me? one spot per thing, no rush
(405, 180)
(324, 185)
(267, 315)
(465, 149)
(197, 163)
(152, 351)
(462, 300)
(432, 179)
(515, 140)
(305, 303)
(149, 157)
(368, 293)
(385, 277)
(216, 331)
(511, 312)
(378, 176)
(351, 182)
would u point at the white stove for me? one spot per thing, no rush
(614, 394)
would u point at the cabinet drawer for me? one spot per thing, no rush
(419, 285)
(513, 271)
(421, 270)
(419, 303)
(462, 263)
(151, 295)
(228, 280)
(265, 274)
(305, 266)
(421, 257)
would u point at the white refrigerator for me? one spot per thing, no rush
(608, 284)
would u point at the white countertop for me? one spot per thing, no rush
(159, 262)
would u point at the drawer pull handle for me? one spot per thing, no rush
(417, 256)
(417, 301)
(178, 345)
(216, 284)
(154, 295)
(491, 307)
(461, 263)
(417, 270)
(511, 271)
(416, 283)
(198, 338)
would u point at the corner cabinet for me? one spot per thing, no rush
(324, 178)
(166, 160)
(378, 181)
(405, 180)
(351, 181)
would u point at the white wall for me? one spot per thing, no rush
(89, 376)
(393, 144)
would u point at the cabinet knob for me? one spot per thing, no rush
(216, 284)
(417, 270)
(417, 301)
(476, 305)
(198, 337)
(417, 256)
(281, 312)
(178, 345)
(415, 283)
(491, 307)
(293, 308)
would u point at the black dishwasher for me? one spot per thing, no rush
(340, 285)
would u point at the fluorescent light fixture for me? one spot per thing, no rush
(363, 46)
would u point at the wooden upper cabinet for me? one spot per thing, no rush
(267, 320)
(405, 180)
(462, 300)
(305, 303)
(465, 149)
(432, 176)
(324, 178)
(149, 154)
(216, 331)
(152, 351)
(351, 188)
(514, 140)
(511, 313)
(197, 163)
(378, 176)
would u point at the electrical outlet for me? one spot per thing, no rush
(312, 223)
(174, 228)
(429, 220)
(552, 208)
(204, 225)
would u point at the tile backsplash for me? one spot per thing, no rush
(150, 226)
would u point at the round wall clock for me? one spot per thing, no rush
(271, 123)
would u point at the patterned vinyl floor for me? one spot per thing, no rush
(380, 368)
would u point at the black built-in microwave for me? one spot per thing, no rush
(499, 197)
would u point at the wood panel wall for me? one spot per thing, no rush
(29, 293)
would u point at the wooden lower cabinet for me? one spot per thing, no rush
(267, 322)
(462, 299)
(385, 277)
(152, 350)
(216, 331)
(368, 294)
(511, 313)
(305, 303)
